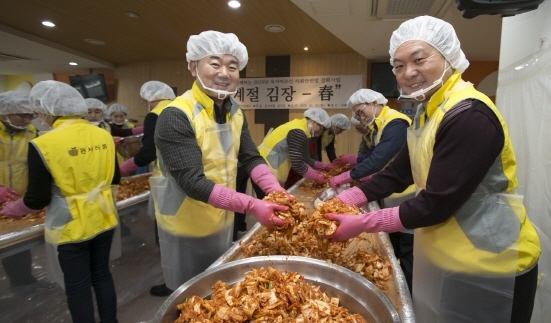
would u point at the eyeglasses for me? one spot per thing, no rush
(359, 115)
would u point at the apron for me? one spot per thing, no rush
(190, 229)
(79, 217)
(13, 158)
(465, 268)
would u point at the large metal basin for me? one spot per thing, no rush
(355, 293)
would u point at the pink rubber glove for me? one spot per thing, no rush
(265, 179)
(7, 194)
(314, 175)
(117, 141)
(346, 159)
(322, 166)
(353, 196)
(341, 179)
(227, 199)
(137, 130)
(351, 225)
(127, 167)
(16, 209)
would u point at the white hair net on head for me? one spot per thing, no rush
(354, 121)
(340, 120)
(318, 115)
(117, 107)
(213, 42)
(57, 99)
(435, 32)
(365, 96)
(92, 103)
(12, 102)
(155, 91)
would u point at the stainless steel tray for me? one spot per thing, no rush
(355, 293)
(398, 290)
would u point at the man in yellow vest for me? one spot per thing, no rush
(16, 131)
(156, 96)
(388, 135)
(200, 137)
(71, 170)
(476, 251)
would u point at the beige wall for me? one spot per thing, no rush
(130, 77)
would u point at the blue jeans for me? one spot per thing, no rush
(86, 264)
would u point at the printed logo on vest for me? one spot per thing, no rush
(73, 151)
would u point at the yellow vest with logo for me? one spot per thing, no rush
(490, 233)
(275, 149)
(219, 145)
(13, 157)
(82, 204)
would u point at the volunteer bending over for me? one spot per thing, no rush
(476, 252)
(200, 138)
(285, 148)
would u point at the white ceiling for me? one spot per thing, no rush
(349, 20)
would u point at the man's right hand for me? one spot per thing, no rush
(264, 212)
(7, 194)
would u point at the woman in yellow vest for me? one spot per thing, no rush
(284, 148)
(200, 137)
(71, 170)
(117, 114)
(476, 251)
(156, 96)
(95, 115)
(16, 131)
(326, 142)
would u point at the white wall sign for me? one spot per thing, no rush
(297, 92)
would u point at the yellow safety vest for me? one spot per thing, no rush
(13, 157)
(275, 149)
(82, 204)
(385, 117)
(326, 139)
(490, 233)
(219, 145)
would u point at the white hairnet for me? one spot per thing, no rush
(365, 96)
(354, 121)
(340, 120)
(435, 32)
(57, 99)
(117, 107)
(155, 91)
(213, 42)
(92, 103)
(318, 115)
(12, 102)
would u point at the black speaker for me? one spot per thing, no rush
(505, 8)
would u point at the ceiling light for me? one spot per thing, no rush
(73, 63)
(234, 4)
(130, 14)
(305, 48)
(274, 28)
(95, 41)
(48, 23)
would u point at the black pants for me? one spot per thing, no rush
(259, 192)
(525, 293)
(402, 243)
(239, 223)
(84, 265)
(18, 268)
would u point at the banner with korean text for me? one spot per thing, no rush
(297, 92)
